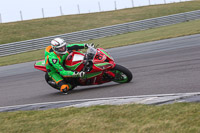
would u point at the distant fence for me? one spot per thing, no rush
(35, 44)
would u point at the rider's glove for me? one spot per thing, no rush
(79, 74)
(91, 45)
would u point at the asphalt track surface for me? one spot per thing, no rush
(160, 67)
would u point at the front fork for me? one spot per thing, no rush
(108, 75)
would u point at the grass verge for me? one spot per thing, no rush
(179, 117)
(31, 29)
(182, 29)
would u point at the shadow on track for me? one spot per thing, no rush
(81, 89)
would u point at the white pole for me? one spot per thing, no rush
(0, 18)
(21, 16)
(115, 5)
(78, 9)
(132, 3)
(149, 2)
(99, 6)
(61, 12)
(42, 12)
(164, 1)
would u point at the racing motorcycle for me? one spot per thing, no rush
(98, 65)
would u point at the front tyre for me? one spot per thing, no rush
(122, 74)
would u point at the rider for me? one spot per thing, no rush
(55, 56)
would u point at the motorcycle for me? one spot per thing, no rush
(98, 65)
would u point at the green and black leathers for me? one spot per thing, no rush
(54, 62)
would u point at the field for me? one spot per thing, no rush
(173, 118)
(26, 30)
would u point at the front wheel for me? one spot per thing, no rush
(122, 74)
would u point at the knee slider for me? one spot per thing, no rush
(63, 86)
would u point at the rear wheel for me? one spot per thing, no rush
(122, 74)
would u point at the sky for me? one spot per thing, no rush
(16, 10)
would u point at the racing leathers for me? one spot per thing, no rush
(55, 66)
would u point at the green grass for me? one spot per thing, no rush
(23, 57)
(173, 118)
(26, 30)
(182, 29)
(172, 31)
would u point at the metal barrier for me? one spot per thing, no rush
(35, 44)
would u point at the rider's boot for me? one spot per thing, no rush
(64, 87)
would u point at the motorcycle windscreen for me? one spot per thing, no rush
(74, 60)
(78, 57)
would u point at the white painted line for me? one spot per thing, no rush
(108, 98)
(145, 100)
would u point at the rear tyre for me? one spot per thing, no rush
(122, 74)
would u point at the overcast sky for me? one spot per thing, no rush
(31, 9)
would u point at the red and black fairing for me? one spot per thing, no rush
(97, 69)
